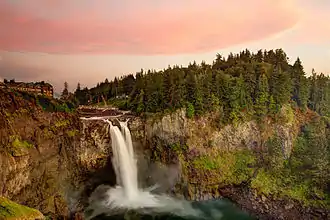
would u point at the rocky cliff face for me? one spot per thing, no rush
(202, 132)
(213, 161)
(45, 158)
(37, 154)
(229, 161)
(53, 161)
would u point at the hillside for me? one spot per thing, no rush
(240, 87)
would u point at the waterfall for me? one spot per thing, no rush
(128, 138)
(123, 160)
(129, 144)
(126, 194)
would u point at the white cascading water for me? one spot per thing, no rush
(126, 194)
(124, 163)
(128, 138)
(129, 144)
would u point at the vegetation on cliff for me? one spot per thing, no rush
(12, 210)
(46, 103)
(304, 175)
(292, 166)
(36, 152)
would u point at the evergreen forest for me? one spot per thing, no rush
(240, 87)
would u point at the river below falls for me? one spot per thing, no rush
(210, 210)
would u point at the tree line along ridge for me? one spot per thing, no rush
(241, 85)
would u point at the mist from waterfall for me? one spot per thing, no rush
(127, 195)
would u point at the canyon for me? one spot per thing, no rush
(53, 161)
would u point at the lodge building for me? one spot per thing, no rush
(39, 88)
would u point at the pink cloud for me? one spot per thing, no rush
(315, 28)
(144, 28)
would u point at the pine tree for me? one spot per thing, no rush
(262, 96)
(313, 91)
(321, 94)
(299, 84)
(194, 93)
(65, 92)
(128, 84)
(191, 87)
(223, 84)
(150, 96)
(179, 97)
(78, 87)
(219, 63)
(135, 96)
(259, 57)
(198, 95)
(244, 101)
(79, 95)
(140, 103)
(169, 89)
(236, 99)
(272, 105)
(206, 88)
(280, 86)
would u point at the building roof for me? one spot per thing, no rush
(30, 84)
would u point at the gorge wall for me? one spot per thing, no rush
(44, 157)
(53, 161)
(260, 165)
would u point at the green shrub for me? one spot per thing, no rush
(178, 148)
(286, 114)
(19, 147)
(190, 110)
(45, 103)
(62, 123)
(275, 156)
(265, 183)
(229, 167)
(72, 133)
(17, 143)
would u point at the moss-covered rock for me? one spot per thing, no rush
(19, 147)
(224, 168)
(14, 211)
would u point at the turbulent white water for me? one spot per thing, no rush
(124, 163)
(132, 160)
(127, 194)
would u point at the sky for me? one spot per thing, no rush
(88, 41)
